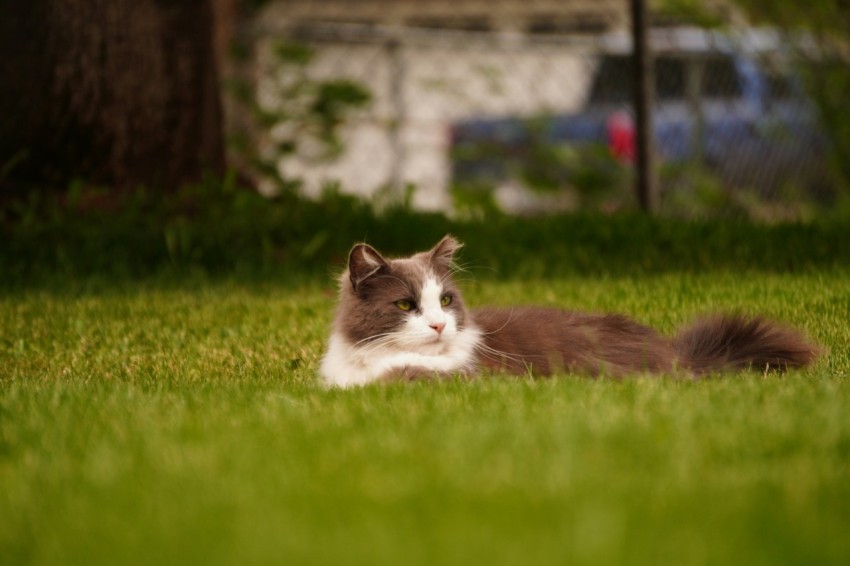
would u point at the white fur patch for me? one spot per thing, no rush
(345, 365)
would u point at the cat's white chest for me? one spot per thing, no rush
(347, 365)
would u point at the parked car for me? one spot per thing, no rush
(736, 112)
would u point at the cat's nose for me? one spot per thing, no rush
(438, 327)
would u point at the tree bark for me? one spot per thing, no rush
(115, 92)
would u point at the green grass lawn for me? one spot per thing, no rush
(182, 422)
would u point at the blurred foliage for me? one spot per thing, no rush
(293, 114)
(825, 17)
(588, 175)
(828, 82)
(217, 228)
(590, 170)
(697, 12)
(475, 200)
(822, 34)
(692, 191)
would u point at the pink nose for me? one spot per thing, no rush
(438, 327)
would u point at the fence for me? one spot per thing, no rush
(540, 114)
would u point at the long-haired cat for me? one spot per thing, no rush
(405, 318)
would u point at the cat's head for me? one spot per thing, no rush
(409, 303)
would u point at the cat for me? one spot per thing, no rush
(405, 318)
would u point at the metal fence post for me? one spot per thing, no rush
(644, 95)
(396, 91)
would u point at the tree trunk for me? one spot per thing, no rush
(116, 92)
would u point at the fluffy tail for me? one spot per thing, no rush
(731, 342)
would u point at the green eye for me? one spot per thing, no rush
(404, 305)
(446, 300)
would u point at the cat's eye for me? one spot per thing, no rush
(446, 300)
(404, 304)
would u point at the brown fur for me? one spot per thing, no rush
(544, 340)
(541, 341)
(734, 342)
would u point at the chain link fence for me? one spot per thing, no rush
(527, 107)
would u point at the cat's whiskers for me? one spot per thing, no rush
(496, 355)
(448, 277)
(391, 340)
(376, 344)
(469, 267)
(499, 329)
(371, 339)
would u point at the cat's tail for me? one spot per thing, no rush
(731, 342)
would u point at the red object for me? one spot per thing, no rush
(620, 129)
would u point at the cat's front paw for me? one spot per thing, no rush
(409, 373)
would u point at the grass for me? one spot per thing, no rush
(180, 421)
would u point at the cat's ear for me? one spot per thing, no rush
(443, 253)
(364, 261)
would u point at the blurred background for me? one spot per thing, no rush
(528, 106)
(138, 134)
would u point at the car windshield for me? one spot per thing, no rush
(613, 83)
